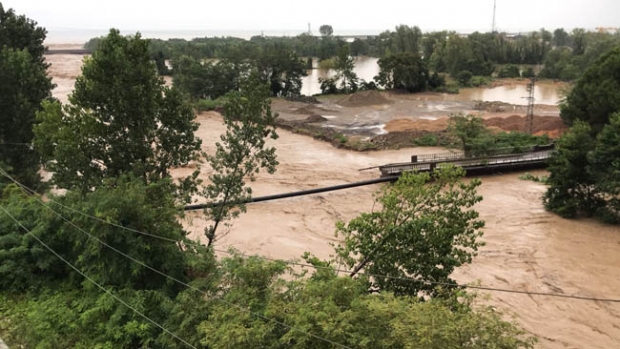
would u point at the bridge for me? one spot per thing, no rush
(472, 165)
(535, 157)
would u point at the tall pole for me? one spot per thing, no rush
(494, 8)
(529, 118)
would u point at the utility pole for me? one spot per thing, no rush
(309, 29)
(529, 118)
(493, 29)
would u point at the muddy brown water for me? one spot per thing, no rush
(527, 248)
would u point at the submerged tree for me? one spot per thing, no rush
(344, 66)
(424, 228)
(121, 119)
(241, 154)
(404, 71)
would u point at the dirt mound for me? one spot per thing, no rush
(363, 99)
(315, 118)
(311, 109)
(550, 125)
(408, 125)
(303, 99)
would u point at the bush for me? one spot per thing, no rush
(428, 140)
(327, 64)
(477, 81)
(528, 73)
(464, 78)
(450, 87)
(509, 71)
(328, 86)
(209, 104)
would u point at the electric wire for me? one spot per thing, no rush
(344, 271)
(4, 173)
(118, 299)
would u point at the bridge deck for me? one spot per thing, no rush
(505, 162)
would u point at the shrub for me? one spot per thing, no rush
(509, 71)
(464, 78)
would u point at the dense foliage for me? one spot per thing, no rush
(476, 140)
(596, 94)
(403, 71)
(586, 166)
(24, 84)
(563, 55)
(120, 119)
(241, 153)
(234, 302)
(428, 219)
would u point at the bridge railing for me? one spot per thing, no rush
(535, 156)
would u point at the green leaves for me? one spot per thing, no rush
(597, 93)
(24, 84)
(403, 71)
(121, 120)
(241, 154)
(424, 229)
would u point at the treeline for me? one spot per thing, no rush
(108, 264)
(564, 55)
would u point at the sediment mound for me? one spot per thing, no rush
(543, 124)
(303, 99)
(311, 109)
(315, 118)
(551, 126)
(408, 125)
(364, 99)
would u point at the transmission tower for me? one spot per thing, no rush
(493, 29)
(529, 118)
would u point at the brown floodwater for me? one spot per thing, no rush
(527, 248)
(367, 68)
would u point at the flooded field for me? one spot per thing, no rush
(527, 248)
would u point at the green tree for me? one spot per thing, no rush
(578, 39)
(49, 305)
(19, 32)
(509, 71)
(403, 71)
(326, 30)
(597, 93)
(424, 229)
(24, 84)
(560, 38)
(241, 154)
(605, 167)
(344, 66)
(473, 135)
(327, 311)
(281, 69)
(121, 119)
(572, 189)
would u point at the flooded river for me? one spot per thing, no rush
(527, 248)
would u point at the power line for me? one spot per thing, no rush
(28, 232)
(484, 288)
(168, 276)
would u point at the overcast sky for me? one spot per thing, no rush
(460, 15)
